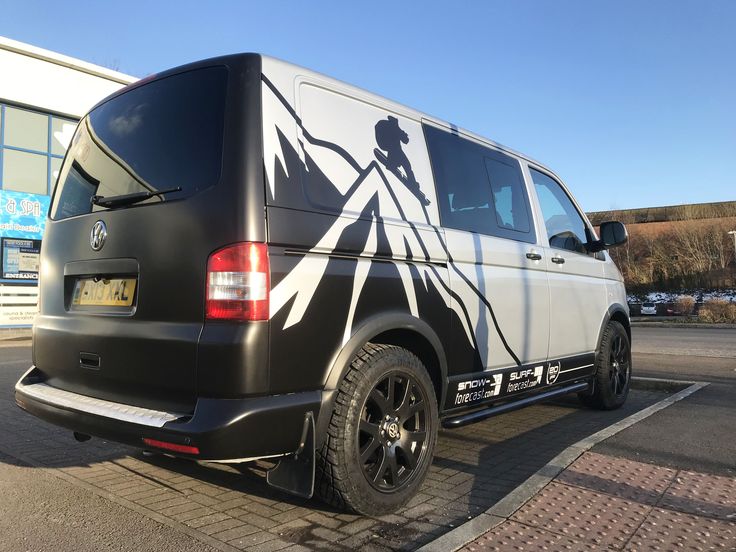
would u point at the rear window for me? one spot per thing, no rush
(165, 134)
(648, 305)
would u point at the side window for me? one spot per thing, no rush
(478, 189)
(565, 227)
(509, 196)
(463, 190)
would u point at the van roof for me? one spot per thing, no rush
(399, 107)
(355, 91)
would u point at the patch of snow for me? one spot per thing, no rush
(700, 295)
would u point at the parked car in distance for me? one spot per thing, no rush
(245, 259)
(648, 309)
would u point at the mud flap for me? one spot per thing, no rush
(295, 473)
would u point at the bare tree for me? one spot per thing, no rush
(676, 254)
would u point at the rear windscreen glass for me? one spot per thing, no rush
(165, 134)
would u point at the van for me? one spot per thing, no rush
(245, 259)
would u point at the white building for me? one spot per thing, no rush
(42, 96)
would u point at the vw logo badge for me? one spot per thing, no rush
(393, 430)
(98, 235)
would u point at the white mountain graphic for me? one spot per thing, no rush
(423, 243)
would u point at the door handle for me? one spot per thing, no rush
(91, 361)
(558, 260)
(534, 256)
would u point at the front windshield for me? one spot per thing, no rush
(165, 134)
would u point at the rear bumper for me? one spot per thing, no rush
(222, 429)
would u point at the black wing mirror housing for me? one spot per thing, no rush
(613, 234)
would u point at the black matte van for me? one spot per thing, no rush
(245, 259)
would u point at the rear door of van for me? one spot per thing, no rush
(123, 276)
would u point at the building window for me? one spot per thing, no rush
(32, 146)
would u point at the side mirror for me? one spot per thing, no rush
(613, 234)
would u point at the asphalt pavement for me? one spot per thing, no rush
(698, 433)
(685, 341)
(58, 515)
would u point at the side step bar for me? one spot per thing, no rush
(478, 415)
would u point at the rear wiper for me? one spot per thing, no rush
(128, 199)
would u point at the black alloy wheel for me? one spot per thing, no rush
(612, 378)
(380, 438)
(620, 359)
(392, 432)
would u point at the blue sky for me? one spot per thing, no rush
(632, 103)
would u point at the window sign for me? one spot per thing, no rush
(23, 215)
(18, 305)
(20, 258)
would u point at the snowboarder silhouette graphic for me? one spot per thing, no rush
(389, 137)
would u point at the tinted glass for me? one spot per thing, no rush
(463, 189)
(164, 134)
(478, 189)
(565, 227)
(509, 195)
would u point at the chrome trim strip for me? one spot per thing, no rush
(98, 407)
(578, 368)
(376, 257)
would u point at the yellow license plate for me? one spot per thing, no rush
(113, 292)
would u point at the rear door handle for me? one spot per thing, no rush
(534, 256)
(558, 260)
(91, 361)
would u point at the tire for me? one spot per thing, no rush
(379, 443)
(612, 378)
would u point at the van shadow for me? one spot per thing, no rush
(43, 446)
(498, 455)
(474, 467)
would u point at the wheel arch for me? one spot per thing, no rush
(398, 329)
(617, 313)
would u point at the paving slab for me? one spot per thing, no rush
(702, 494)
(603, 502)
(667, 529)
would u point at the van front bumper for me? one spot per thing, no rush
(220, 429)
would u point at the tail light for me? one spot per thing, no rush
(238, 283)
